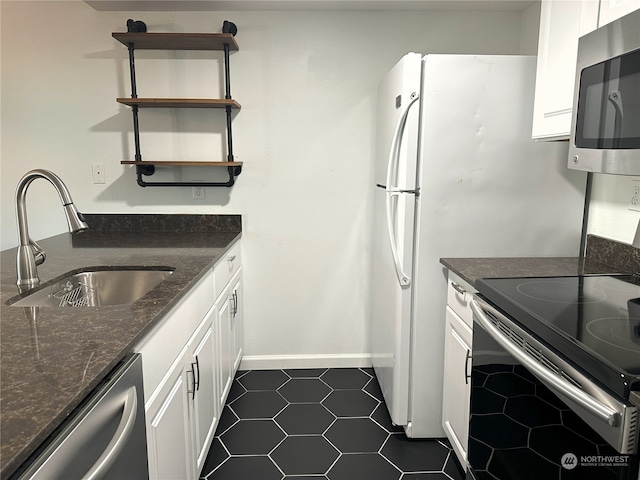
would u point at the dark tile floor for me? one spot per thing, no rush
(318, 424)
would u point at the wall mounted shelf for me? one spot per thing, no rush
(184, 163)
(179, 102)
(177, 41)
(137, 38)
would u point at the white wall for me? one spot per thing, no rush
(609, 213)
(307, 83)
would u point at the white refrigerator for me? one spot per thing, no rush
(457, 175)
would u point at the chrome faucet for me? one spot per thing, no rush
(30, 254)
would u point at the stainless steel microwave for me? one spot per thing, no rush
(605, 129)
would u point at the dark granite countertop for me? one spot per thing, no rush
(51, 362)
(603, 256)
(471, 269)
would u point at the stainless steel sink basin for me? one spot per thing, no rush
(97, 287)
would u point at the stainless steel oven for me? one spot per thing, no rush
(555, 374)
(605, 131)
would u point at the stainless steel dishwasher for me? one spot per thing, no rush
(105, 439)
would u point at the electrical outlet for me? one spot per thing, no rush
(634, 202)
(198, 193)
(98, 173)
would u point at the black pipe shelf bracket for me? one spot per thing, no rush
(137, 37)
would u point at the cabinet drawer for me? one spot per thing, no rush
(225, 268)
(459, 296)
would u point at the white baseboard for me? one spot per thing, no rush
(268, 362)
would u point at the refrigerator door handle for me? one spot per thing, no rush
(403, 278)
(393, 191)
(394, 151)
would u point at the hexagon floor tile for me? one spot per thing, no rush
(322, 424)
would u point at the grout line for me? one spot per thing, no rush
(378, 403)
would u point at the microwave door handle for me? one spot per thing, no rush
(601, 411)
(615, 98)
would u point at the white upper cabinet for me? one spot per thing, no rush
(562, 22)
(611, 10)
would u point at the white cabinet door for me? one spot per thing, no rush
(562, 22)
(204, 401)
(224, 355)
(236, 319)
(168, 433)
(189, 361)
(611, 10)
(457, 384)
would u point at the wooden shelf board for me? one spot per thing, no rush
(183, 163)
(177, 41)
(179, 102)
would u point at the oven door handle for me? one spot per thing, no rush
(598, 409)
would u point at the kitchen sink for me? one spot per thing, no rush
(97, 287)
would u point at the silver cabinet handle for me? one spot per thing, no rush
(458, 288)
(234, 298)
(101, 468)
(467, 375)
(197, 385)
(231, 259)
(196, 381)
(549, 378)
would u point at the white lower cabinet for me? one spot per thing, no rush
(185, 406)
(457, 390)
(189, 361)
(223, 344)
(237, 314)
(205, 409)
(168, 435)
(457, 367)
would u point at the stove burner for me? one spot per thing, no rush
(560, 292)
(616, 285)
(619, 332)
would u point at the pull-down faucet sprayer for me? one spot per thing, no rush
(30, 254)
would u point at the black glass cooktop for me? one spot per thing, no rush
(593, 320)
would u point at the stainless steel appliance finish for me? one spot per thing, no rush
(105, 439)
(555, 375)
(613, 418)
(605, 129)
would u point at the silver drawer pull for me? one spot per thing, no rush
(458, 288)
(231, 258)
